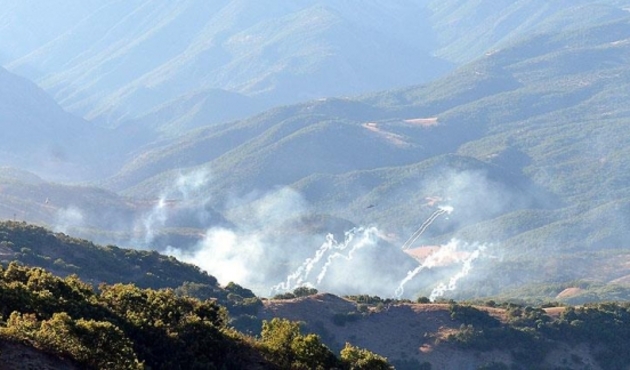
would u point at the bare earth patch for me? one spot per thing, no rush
(624, 280)
(16, 356)
(398, 331)
(395, 139)
(569, 292)
(424, 122)
(554, 312)
(422, 253)
(406, 331)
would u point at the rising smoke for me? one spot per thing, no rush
(335, 250)
(228, 255)
(454, 252)
(181, 193)
(265, 247)
(258, 251)
(368, 237)
(255, 248)
(68, 219)
(465, 270)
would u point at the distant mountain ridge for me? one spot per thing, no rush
(153, 53)
(466, 29)
(526, 142)
(157, 52)
(40, 136)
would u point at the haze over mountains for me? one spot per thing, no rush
(157, 53)
(238, 134)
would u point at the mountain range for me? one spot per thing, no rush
(57, 295)
(266, 127)
(158, 53)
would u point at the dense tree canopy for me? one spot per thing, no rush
(121, 326)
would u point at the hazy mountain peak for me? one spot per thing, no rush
(126, 58)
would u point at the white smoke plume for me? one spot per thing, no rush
(227, 255)
(412, 239)
(300, 276)
(252, 251)
(259, 245)
(152, 221)
(444, 253)
(67, 219)
(475, 196)
(183, 190)
(259, 248)
(454, 252)
(368, 237)
(452, 283)
(189, 184)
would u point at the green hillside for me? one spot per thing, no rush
(80, 304)
(526, 144)
(65, 255)
(466, 29)
(126, 327)
(66, 323)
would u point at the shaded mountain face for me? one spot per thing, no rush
(153, 53)
(40, 136)
(166, 63)
(187, 112)
(466, 29)
(29, 24)
(526, 144)
(513, 162)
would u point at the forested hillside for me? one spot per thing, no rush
(65, 323)
(125, 327)
(276, 53)
(451, 149)
(525, 143)
(38, 135)
(95, 264)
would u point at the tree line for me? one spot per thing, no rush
(122, 326)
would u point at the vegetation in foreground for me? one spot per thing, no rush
(122, 326)
(529, 333)
(197, 324)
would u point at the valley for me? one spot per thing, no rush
(430, 155)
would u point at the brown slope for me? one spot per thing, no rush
(17, 356)
(407, 334)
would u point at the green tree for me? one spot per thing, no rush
(354, 358)
(304, 291)
(94, 344)
(289, 349)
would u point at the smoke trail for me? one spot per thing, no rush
(366, 239)
(152, 221)
(452, 284)
(184, 189)
(437, 257)
(406, 245)
(434, 258)
(440, 211)
(300, 275)
(67, 219)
